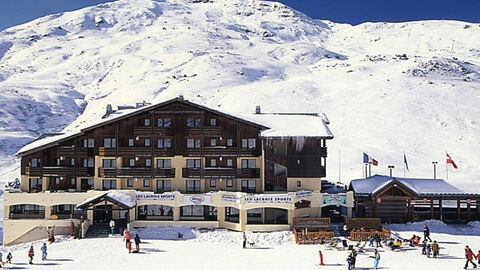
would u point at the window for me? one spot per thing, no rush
(147, 142)
(248, 185)
(109, 184)
(130, 142)
(35, 184)
(213, 142)
(146, 122)
(193, 185)
(154, 210)
(229, 142)
(58, 161)
(109, 163)
(131, 162)
(213, 122)
(229, 182)
(213, 183)
(194, 163)
(72, 161)
(130, 182)
(148, 162)
(232, 214)
(299, 183)
(193, 143)
(164, 163)
(88, 143)
(248, 143)
(34, 162)
(86, 184)
(164, 122)
(164, 185)
(229, 162)
(193, 122)
(73, 182)
(109, 143)
(248, 163)
(88, 162)
(213, 163)
(192, 211)
(146, 182)
(164, 143)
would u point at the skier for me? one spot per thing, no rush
(44, 251)
(436, 248)
(112, 226)
(429, 250)
(129, 246)
(321, 257)
(137, 243)
(244, 240)
(376, 259)
(9, 257)
(180, 236)
(469, 256)
(354, 258)
(30, 255)
(478, 256)
(426, 232)
(126, 237)
(370, 244)
(378, 240)
(350, 262)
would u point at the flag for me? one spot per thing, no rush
(369, 159)
(405, 161)
(450, 160)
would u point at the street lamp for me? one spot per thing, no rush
(390, 167)
(434, 169)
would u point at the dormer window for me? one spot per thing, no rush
(146, 122)
(213, 122)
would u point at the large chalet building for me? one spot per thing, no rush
(173, 163)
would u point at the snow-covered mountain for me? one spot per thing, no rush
(386, 87)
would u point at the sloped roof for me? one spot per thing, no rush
(124, 198)
(271, 124)
(421, 187)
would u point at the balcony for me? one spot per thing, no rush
(220, 173)
(33, 171)
(58, 171)
(249, 152)
(163, 152)
(125, 151)
(136, 172)
(66, 150)
(192, 152)
(220, 151)
(212, 130)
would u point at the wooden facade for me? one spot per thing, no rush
(129, 147)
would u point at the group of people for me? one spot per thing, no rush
(470, 256)
(31, 253)
(9, 259)
(128, 241)
(375, 238)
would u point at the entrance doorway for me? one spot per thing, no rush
(102, 213)
(334, 212)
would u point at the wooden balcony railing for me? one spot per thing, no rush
(136, 172)
(124, 151)
(219, 150)
(221, 172)
(58, 171)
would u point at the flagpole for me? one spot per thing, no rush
(404, 164)
(446, 168)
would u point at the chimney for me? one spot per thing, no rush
(109, 109)
(142, 104)
(180, 97)
(258, 110)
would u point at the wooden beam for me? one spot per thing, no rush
(440, 209)
(458, 210)
(468, 211)
(432, 213)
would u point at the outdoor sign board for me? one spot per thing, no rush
(334, 199)
(197, 199)
(167, 196)
(303, 193)
(230, 198)
(268, 199)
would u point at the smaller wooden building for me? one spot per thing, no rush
(395, 199)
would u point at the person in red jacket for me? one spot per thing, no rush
(478, 256)
(127, 237)
(321, 257)
(31, 254)
(469, 255)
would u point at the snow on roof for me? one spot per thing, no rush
(291, 124)
(276, 124)
(127, 198)
(419, 186)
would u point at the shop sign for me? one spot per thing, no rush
(197, 199)
(155, 197)
(230, 198)
(303, 193)
(379, 200)
(334, 199)
(268, 199)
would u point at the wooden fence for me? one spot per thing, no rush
(365, 223)
(311, 223)
(307, 237)
(364, 236)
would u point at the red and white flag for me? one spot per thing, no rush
(450, 160)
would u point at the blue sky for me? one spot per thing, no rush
(13, 12)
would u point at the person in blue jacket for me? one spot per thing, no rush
(44, 251)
